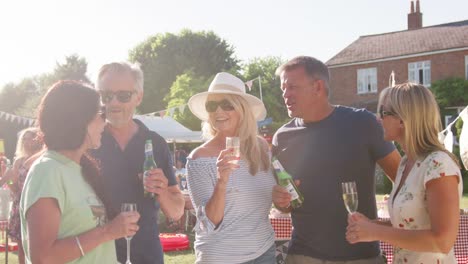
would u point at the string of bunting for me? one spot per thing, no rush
(25, 121)
(169, 111)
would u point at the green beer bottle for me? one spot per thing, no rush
(285, 180)
(149, 163)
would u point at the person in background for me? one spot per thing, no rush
(232, 199)
(321, 147)
(122, 155)
(424, 202)
(27, 146)
(63, 210)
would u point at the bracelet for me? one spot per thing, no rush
(79, 245)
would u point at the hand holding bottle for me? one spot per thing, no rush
(281, 197)
(286, 181)
(155, 182)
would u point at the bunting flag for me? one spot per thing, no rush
(17, 119)
(181, 109)
(249, 84)
(446, 136)
(464, 138)
(170, 111)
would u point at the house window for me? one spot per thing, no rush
(367, 80)
(466, 67)
(420, 72)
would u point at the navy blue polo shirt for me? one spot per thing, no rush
(120, 170)
(343, 147)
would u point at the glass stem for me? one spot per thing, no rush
(128, 251)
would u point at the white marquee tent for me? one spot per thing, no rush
(171, 130)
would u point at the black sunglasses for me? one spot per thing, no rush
(383, 113)
(122, 96)
(211, 106)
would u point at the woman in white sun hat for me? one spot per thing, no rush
(232, 197)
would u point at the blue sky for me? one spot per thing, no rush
(37, 34)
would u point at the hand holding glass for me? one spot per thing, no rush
(128, 207)
(234, 144)
(350, 196)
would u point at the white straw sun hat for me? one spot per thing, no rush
(226, 83)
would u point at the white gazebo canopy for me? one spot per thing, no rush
(171, 130)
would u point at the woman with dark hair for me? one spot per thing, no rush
(63, 208)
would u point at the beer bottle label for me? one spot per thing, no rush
(292, 191)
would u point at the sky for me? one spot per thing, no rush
(35, 35)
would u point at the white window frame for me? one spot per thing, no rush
(466, 67)
(420, 72)
(367, 80)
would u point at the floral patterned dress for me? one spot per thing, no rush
(409, 208)
(14, 224)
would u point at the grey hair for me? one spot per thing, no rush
(123, 67)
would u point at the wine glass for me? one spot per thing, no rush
(128, 207)
(350, 196)
(183, 181)
(234, 144)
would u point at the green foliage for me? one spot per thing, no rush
(450, 92)
(13, 96)
(181, 90)
(163, 57)
(74, 68)
(23, 98)
(272, 96)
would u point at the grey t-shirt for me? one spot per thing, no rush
(342, 147)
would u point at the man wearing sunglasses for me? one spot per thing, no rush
(121, 157)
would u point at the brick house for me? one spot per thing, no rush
(419, 54)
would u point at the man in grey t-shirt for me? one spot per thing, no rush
(322, 146)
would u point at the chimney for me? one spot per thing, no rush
(415, 18)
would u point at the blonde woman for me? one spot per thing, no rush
(424, 202)
(232, 200)
(27, 146)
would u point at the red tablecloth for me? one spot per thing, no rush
(282, 227)
(283, 230)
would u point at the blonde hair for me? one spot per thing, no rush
(21, 151)
(417, 108)
(251, 148)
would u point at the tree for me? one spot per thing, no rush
(74, 68)
(24, 97)
(13, 96)
(451, 92)
(182, 89)
(163, 57)
(271, 92)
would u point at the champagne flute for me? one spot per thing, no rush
(350, 196)
(234, 144)
(128, 207)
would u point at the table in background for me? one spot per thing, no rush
(4, 230)
(283, 230)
